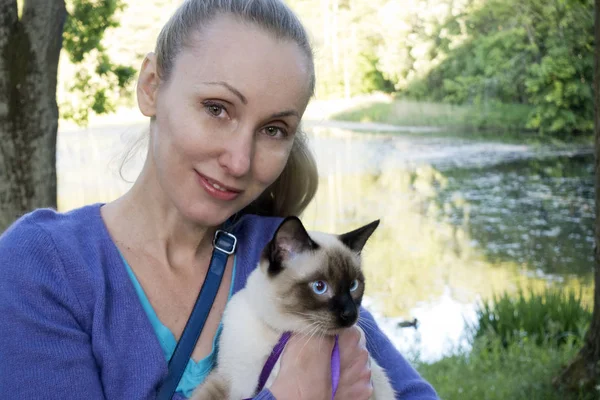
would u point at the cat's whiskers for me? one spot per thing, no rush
(314, 329)
(310, 316)
(307, 328)
(366, 323)
(321, 333)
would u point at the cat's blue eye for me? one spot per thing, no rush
(319, 287)
(354, 285)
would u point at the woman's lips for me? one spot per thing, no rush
(216, 189)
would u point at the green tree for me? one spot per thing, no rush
(32, 34)
(348, 36)
(534, 52)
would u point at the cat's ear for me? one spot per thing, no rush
(291, 239)
(357, 238)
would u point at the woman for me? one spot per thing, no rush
(94, 300)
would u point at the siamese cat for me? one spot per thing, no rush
(303, 283)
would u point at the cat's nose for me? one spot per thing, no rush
(348, 314)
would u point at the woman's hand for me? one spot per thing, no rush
(355, 371)
(305, 371)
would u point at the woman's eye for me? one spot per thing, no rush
(215, 110)
(319, 287)
(354, 285)
(274, 131)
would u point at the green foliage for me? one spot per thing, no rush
(532, 52)
(558, 88)
(84, 30)
(373, 79)
(363, 46)
(479, 52)
(553, 316)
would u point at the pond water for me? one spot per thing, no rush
(460, 220)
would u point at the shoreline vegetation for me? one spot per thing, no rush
(519, 344)
(493, 121)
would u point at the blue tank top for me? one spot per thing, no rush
(195, 372)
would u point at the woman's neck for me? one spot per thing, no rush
(145, 219)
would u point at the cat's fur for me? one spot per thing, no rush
(279, 297)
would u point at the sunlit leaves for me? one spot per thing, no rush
(98, 81)
(530, 52)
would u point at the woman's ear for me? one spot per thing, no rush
(147, 86)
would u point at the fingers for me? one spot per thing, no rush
(363, 337)
(305, 371)
(362, 357)
(353, 349)
(351, 337)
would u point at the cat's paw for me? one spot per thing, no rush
(214, 387)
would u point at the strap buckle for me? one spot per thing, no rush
(224, 241)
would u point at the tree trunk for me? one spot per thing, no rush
(583, 373)
(29, 52)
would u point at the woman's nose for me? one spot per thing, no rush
(237, 154)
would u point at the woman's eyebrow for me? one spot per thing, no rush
(231, 89)
(243, 99)
(286, 113)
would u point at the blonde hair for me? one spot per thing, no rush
(295, 188)
(272, 15)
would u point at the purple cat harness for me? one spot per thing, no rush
(276, 353)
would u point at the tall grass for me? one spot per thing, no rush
(519, 344)
(522, 370)
(552, 315)
(491, 117)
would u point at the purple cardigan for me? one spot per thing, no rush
(72, 326)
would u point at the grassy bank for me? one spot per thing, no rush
(506, 122)
(492, 116)
(521, 371)
(518, 346)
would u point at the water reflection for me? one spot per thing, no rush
(452, 235)
(536, 212)
(459, 220)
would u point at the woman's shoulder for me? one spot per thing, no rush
(257, 227)
(55, 252)
(26, 247)
(253, 233)
(43, 223)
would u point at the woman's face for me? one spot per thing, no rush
(225, 119)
